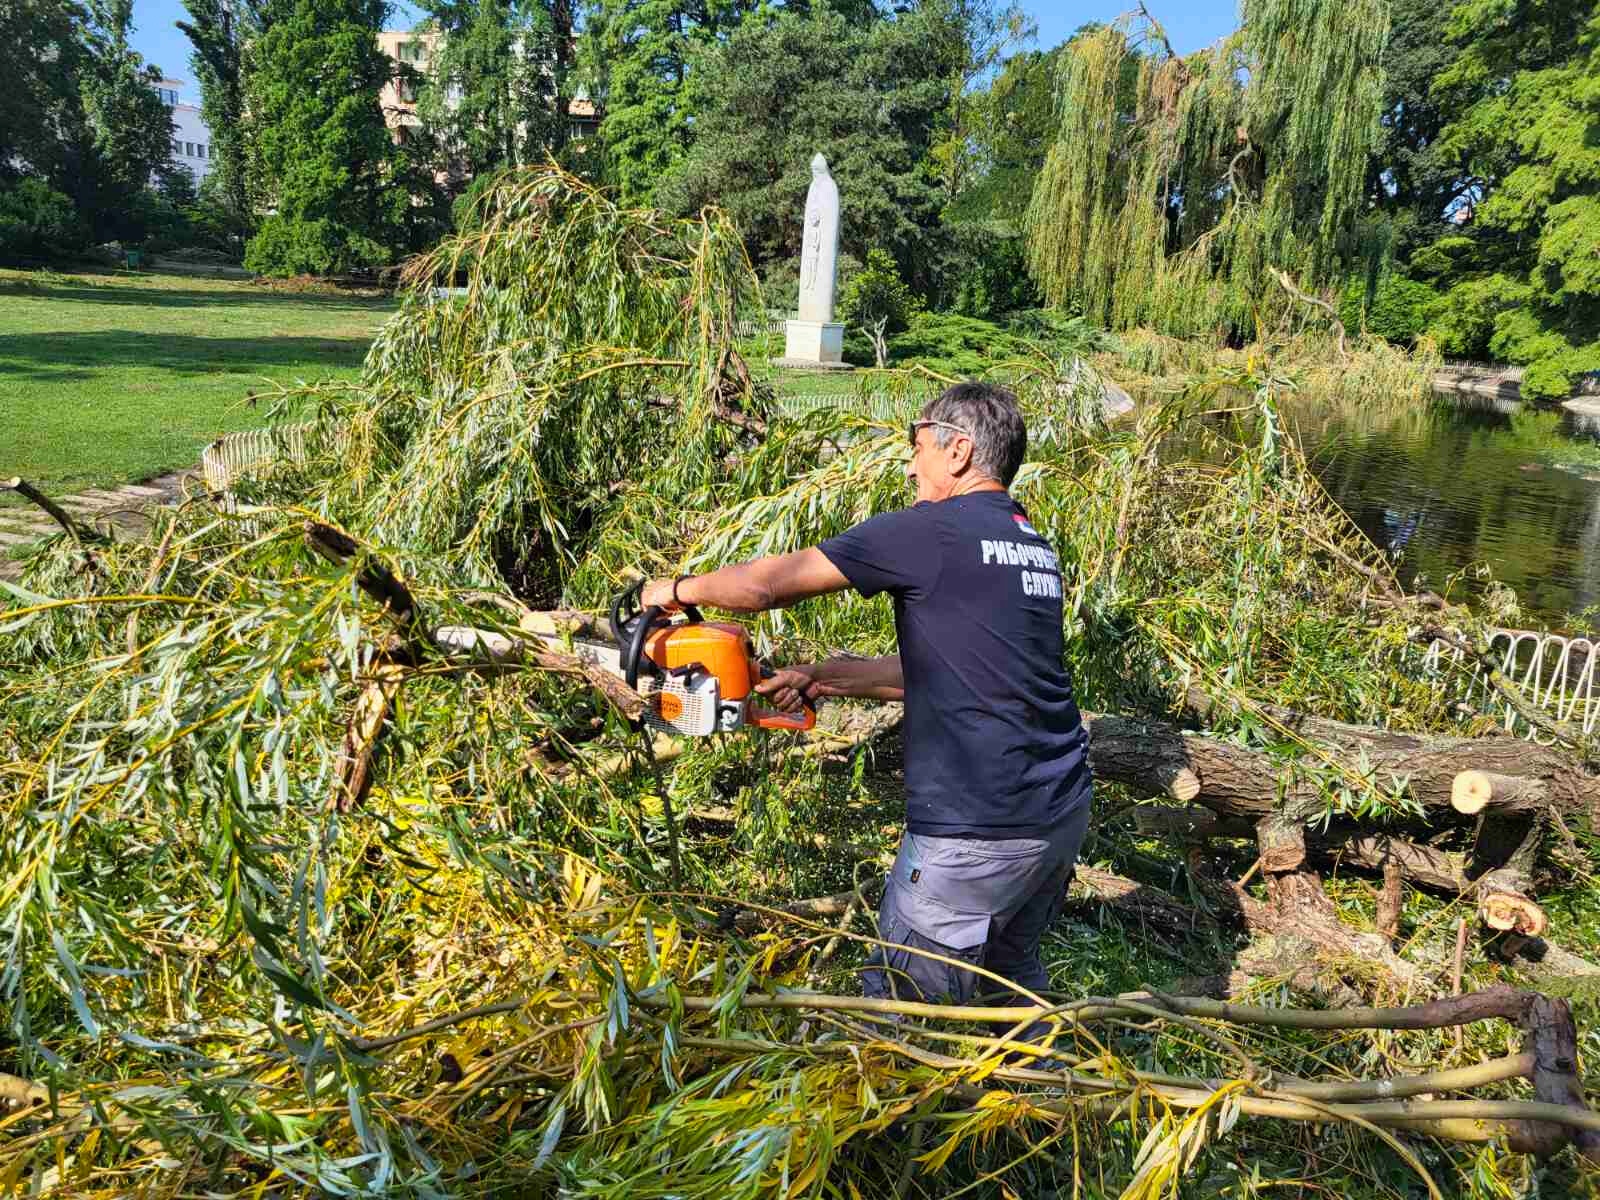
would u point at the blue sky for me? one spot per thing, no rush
(1190, 23)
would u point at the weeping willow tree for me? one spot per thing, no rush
(1195, 194)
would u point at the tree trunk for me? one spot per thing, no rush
(1237, 781)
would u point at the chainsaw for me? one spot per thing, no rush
(696, 677)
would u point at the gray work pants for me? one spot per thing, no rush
(972, 900)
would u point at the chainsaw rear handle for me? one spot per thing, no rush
(771, 718)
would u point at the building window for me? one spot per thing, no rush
(201, 147)
(177, 147)
(188, 149)
(169, 96)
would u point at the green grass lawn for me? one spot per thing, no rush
(114, 378)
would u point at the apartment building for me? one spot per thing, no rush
(415, 49)
(191, 140)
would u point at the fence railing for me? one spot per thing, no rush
(1555, 672)
(750, 327)
(235, 454)
(880, 406)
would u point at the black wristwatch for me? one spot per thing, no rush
(675, 584)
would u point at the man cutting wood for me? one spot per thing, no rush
(997, 770)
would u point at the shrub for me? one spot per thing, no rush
(284, 246)
(953, 344)
(1060, 334)
(1464, 319)
(1398, 310)
(38, 222)
(987, 274)
(876, 292)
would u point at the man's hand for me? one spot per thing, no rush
(658, 594)
(858, 678)
(789, 688)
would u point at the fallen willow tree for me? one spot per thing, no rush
(329, 870)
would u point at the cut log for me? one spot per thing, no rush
(1282, 842)
(1424, 866)
(1139, 904)
(1511, 911)
(1545, 962)
(1180, 784)
(1191, 822)
(1472, 791)
(1303, 935)
(1238, 781)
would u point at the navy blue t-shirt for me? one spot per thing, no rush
(994, 745)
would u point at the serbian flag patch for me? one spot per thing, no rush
(1022, 524)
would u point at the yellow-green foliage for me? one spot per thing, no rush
(481, 981)
(1175, 185)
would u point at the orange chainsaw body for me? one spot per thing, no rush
(718, 647)
(723, 650)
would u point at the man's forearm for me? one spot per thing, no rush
(861, 678)
(740, 587)
(774, 582)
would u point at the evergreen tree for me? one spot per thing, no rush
(783, 89)
(42, 59)
(1524, 267)
(1414, 178)
(490, 91)
(639, 53)
(218, 30)
(321, 153)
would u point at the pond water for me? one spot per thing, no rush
(1445, 487)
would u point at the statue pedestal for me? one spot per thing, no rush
(816, 344)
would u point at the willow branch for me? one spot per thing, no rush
(1161, 33)
(500, 649)
(150, 578)
(77, 532)
(1305, 298)
(368, 1045)
(376, 580)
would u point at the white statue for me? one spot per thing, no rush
(814, 340)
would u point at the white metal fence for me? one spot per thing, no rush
(1554, 672)
(236, 454)
(750, 327)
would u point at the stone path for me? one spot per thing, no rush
(126, 508)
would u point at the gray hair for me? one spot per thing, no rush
(990, 414)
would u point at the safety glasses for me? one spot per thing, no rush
(911, 433)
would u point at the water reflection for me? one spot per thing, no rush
(1445, 487)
